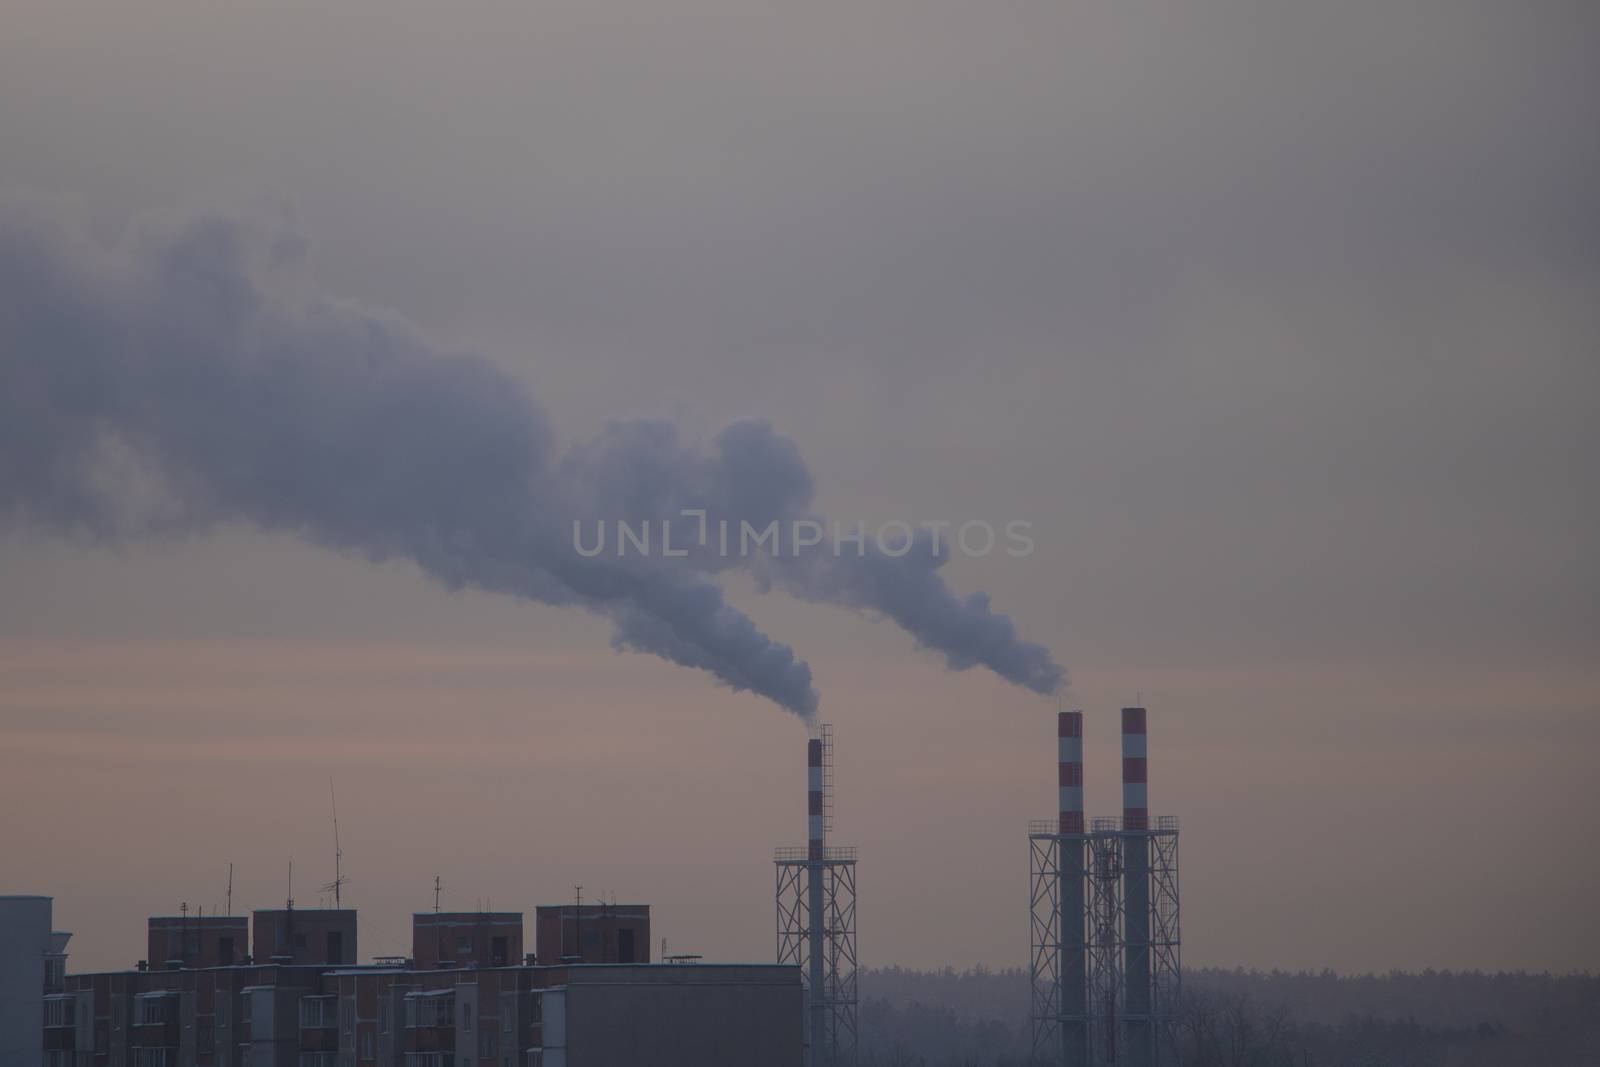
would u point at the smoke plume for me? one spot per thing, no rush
(183, 378)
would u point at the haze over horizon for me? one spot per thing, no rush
(1278, 327)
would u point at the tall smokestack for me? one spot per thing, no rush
(1135, 771)
(1136, 887)
(1069, 743)
(817, 834)
(1070, 892)
(817, 852)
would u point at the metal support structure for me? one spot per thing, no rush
(1059, 1013)
(829, 975)
(1107, 1019)
(1105, 940)
(1166, 962)
(1044, 957)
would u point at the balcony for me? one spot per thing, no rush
(431, 1011)
(59, 1011)
(319, 1013)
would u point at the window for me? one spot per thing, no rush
(463, 946)
(368, 1051)
(154, 1009)
(205, 1037)
(55, 1058)
(430, 1010)
(225, 951)
(498, 952)
(153, 1057)
(319, 1013)
(55, 973)
(426, 1059)
(319, 1059)
(58, 1011)
(486, 1043)
(466, 1016)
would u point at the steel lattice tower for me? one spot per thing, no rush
(1105, 940)
(1166, 959)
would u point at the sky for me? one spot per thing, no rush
(1278, 324)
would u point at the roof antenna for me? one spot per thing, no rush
(338, 853)
(230, 887)
(437, 885)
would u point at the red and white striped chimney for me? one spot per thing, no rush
(814, 796)
(1135, 771)
(1069, 740)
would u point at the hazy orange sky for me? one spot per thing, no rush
(1333, 815)
(1277, 322)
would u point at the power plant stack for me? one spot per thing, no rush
(1135, 888)
(816, 929)
(1105, 965)
(816, 897)
(1071, 843)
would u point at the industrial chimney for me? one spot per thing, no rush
(1136, 1014)
(817, 917)
(818, 827)
(816, 851)
(1070, 844)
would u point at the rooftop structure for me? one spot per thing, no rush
(176, 941)
(592, 933)
(442, 940)
(315, 936)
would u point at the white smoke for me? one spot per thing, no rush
(183, 378)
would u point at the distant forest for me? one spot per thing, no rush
(1238, 1018)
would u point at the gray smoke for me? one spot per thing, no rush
(182, 379)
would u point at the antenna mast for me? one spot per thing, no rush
(337, 884)
(230, 887)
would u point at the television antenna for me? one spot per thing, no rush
(339, 879)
